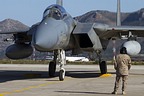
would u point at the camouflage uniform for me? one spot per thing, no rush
(122, 65)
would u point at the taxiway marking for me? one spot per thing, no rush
(106, 75)
(40, 85)
(28, 88)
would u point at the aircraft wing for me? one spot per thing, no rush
(96, 35)
(13, 31)
(106, 31)
(28, 30)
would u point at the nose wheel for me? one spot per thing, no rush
(62, 74)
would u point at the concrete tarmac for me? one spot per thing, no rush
(80, 80)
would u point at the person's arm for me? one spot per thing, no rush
(115, 63)
(129, 63)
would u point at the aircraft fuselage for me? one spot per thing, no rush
(54, 30)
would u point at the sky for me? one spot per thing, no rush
(30, 12)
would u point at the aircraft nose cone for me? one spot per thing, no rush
(45, 38)
(50, 35)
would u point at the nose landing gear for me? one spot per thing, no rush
(59, 56)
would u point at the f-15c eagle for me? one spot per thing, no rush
(58, 32)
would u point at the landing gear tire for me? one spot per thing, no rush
(52, 69)
(61, 74)
(103, 67)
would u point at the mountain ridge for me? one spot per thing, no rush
(102, 16)
(96, 16)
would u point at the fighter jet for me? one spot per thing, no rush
(59, 32)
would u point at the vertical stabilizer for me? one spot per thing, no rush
(118, 13)
(59, 2)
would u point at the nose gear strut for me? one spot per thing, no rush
(60, 58)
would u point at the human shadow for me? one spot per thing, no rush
(84, 92)
(137, 74)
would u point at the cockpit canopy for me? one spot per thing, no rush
(55, 11)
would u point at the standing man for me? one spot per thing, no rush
(122, 65)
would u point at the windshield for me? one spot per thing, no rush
(55, 11)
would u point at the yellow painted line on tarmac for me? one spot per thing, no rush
(31, 87)
(5, 93)
(1, 95)
(28, 88)
(106, 75)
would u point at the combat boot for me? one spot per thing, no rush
(114, 92)
(123, 93)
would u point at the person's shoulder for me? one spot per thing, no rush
(126, 55)
(119, 55)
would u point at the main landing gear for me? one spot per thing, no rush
(102, 64)
(59, 56)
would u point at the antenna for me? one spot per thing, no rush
(59, 2)
(118, 13)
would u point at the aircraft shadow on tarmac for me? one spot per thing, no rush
(84, 74)
(10, 75)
